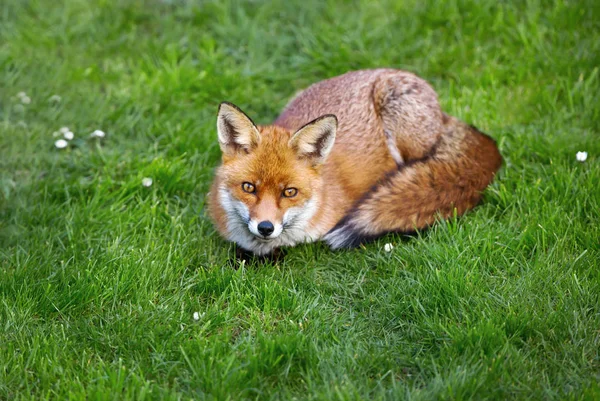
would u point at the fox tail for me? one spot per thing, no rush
(451, 178)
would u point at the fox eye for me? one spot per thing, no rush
(290, 192)
(247, 187)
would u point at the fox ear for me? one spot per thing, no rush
(315, 140)
(236, 130)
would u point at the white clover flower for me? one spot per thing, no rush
(61, 144)
(21, 95)
(196, 316)
(388, 247)
(97, 134)
(25, 99)
(69, 135)
(581, 156)
(55, 99)
(147, 181)
(64, 130)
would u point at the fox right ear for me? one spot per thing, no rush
(315, 140)
(236, 130)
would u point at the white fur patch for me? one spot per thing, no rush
(306, 147)
(394, 151)
(296, 220)
(338, 238)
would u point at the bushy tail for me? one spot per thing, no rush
(411, 198)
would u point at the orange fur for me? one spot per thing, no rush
(397, 163)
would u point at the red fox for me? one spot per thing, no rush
(349, 159)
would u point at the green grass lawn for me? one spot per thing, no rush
(100, 276)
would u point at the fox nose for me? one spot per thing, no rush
(265, 228)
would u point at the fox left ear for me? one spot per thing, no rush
(315, 140)
(236, 130)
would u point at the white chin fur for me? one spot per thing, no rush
(245, 232)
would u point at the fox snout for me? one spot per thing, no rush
(265, 229)
(265, 221)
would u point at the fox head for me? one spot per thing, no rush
(270, 178)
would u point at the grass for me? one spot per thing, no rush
(100, 276)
